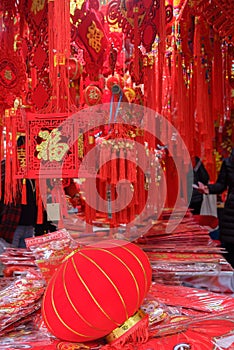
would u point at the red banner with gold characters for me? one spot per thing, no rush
(92, 37)
(49, 146)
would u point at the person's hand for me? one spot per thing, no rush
(202, 188)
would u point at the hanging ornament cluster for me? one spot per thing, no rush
(219, 14)
(135, 19)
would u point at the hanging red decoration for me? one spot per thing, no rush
(74, 68)
(138, 20)
(35, 50)
(89, 33)
(86, 299)
(115, 80)
(40, 96)
(12, 75)
(92, 95)
(47, 146)
(36, 12)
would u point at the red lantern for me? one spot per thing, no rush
(96, 290)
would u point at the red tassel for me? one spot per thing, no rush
(103, 167)
(39, 211)
(138, 333)
(131, 165)
(136, 44)
(40, 208)
(122, 169)
(114, 168)
(24, 192)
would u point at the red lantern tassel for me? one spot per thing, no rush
(122, 173)
(103, 165)
(131, 165)
(40, 208)
(24, 192)
(126, 334)
(136, 44)
(114, 168)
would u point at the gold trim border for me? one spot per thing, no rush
(125, 327)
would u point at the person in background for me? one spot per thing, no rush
(199, 174)
(225, 181)
(28, 217)
(17, 220)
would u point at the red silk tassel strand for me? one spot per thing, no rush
(40, 208)
(24, 192)
(136, 335)
(136, 44)
(59, 53)
(122, 169)
(114, 167)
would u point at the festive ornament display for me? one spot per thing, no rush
(74, 68)
(115, 80)
(93, 95)
(96, 290)
(12, 75)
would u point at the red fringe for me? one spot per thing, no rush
(103, 167)
(8, 170)
(40, 208)
(136, 44)
(59, 53)
(122, 174)
(130, 340)
(114, 167)
(131, 165)
(24, 192)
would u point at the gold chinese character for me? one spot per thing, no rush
(51, 148)
(8, 74)
(93, 94)
(94, 36)
(37, 5)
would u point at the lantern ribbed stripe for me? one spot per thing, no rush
(147, 283)
(57, 314)
(131, 273)
(73, 306)
(91, 294)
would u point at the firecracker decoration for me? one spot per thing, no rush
(86, 300)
